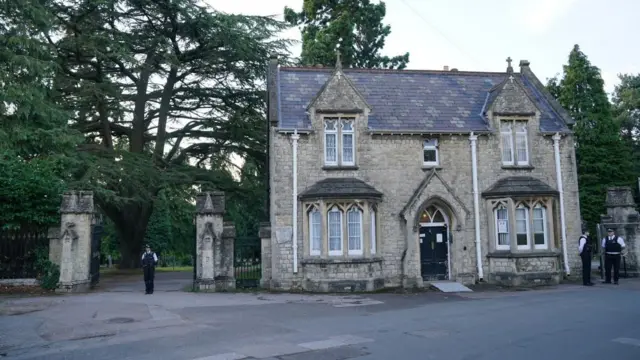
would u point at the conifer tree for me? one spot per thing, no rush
(603, 158)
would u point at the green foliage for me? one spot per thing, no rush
(48, 272)
(246, 208)
(603, 158)
(159, 90)
(353, 25)
(29, 192)
(626, 109)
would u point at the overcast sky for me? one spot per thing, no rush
(479, 35)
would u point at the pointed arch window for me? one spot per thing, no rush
(315, 232)
(540, 228)
(503, 242)
(354, 231)
(522, 227)
(335, 231)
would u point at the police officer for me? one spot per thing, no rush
(149, 261)
(584, 248)
(612, 246)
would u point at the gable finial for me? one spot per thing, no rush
(509, 67)
(338, 60)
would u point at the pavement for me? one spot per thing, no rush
(119, 321)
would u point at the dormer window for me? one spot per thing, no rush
(514, 142)
(339, 141)
(430, 152)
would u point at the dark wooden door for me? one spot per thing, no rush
(433, 252)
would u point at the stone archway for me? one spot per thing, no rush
(433, 222)
(443, 207)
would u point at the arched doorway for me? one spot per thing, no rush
(434, 244)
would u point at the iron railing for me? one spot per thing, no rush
(18, 251)
(247, 262)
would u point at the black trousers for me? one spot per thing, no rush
(586, 268)
(610, 261)
(149, 273)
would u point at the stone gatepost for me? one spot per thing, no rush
(623, 217)
(265, 239)
(214, 243)
(72, 248)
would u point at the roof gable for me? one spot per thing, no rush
(510, 98)
(338, 94)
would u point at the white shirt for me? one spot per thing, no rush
(620, 241)
(155, 258)
(583, 241)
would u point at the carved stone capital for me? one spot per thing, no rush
(77, 202)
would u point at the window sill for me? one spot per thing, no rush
(340, 260)
(431, 167)
(339, 167)
(507, 254)
(518, 167)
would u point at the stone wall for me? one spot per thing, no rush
(623, 217)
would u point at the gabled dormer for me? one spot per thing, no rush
(338, 95)
(339, 112)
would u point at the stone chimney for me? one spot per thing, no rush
(446, 68)
(272, 76)
(524, 66)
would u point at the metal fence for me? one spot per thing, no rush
(247, 261)
(18, 251)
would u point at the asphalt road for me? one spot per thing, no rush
(571, 322)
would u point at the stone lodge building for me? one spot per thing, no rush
(386, 178)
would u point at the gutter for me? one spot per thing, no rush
(556, 150)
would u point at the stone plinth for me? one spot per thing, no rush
(214, 250)
(74, 241)
(265, 239)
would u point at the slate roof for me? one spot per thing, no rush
(350, 188)
(411, 100)
(519, 185)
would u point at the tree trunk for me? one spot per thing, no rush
(131, 225)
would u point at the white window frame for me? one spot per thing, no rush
(506, 139)
(495, 217)
(339, 132)
(430, 144)
(314, 215)
(373, 237)
(333, 132)
(545, 227)
(344, 132)
(527, 227)
(510, 131)
(337, 252)
(521, 132)
(355, 251)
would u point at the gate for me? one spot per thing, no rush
(96, 240)
(247, 261)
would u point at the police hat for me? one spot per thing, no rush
(147, 246)
(609, 229)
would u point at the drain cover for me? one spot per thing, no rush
(120, 320)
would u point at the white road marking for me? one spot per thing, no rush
(627, 341)
(226, 356)
(335, 341)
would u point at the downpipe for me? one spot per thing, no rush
(295, 137)
(556, 149)
(473, 138)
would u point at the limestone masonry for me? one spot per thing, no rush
(386, 163)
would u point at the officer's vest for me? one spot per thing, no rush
(148, 259)
(587, 246)
(612, 246)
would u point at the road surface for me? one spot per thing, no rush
(568, 322)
